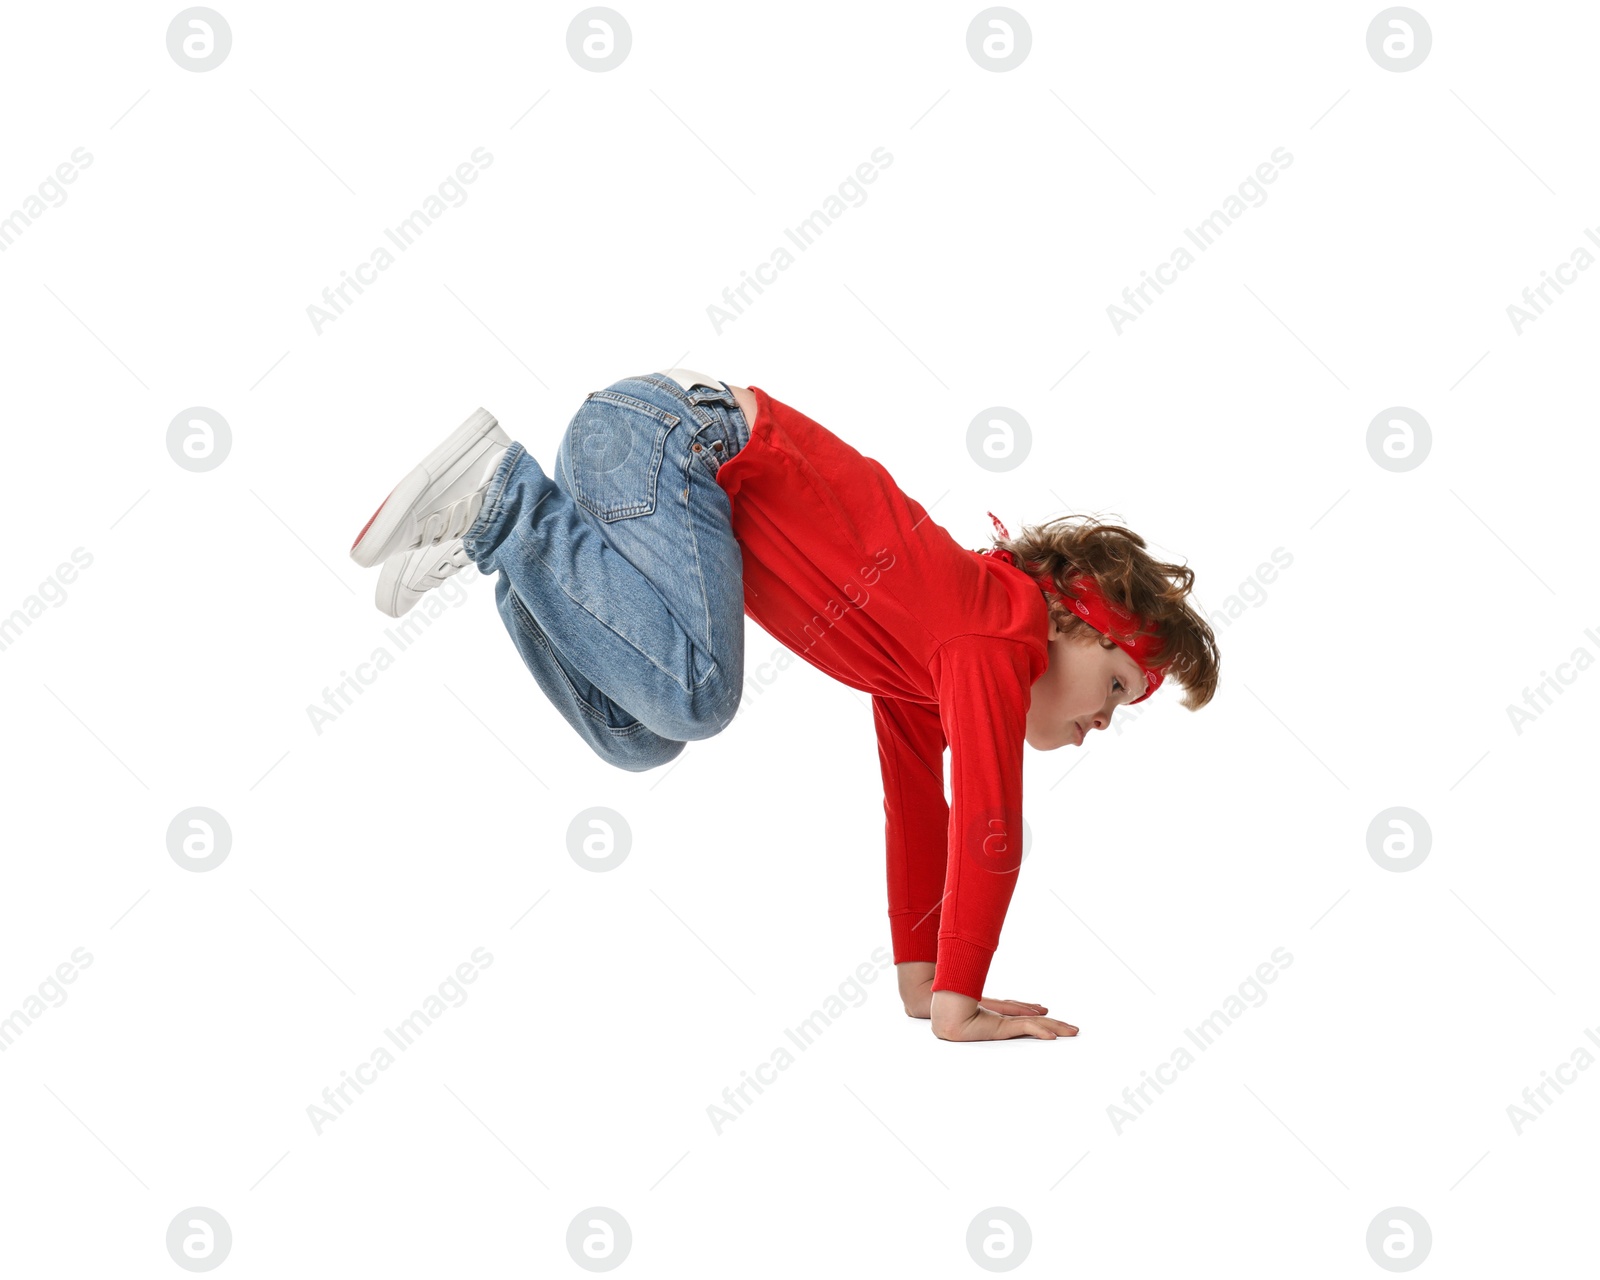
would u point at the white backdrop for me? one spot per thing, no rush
(1382, 597)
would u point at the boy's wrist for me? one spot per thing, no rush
(916, 981)
(964, 966)
(951, 1010)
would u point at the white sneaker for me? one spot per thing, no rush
(440, 497)
(409, 576)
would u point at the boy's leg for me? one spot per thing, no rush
(622, 585)
(615, 735)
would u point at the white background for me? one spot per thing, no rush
(370, 859)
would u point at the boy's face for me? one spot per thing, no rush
(1080, 689)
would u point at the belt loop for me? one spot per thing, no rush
(719, 393)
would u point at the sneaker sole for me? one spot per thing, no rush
(395, 596)
(386, 524)
(389, 589)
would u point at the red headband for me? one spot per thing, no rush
(1105, 617)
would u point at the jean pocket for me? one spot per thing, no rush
(614, 447)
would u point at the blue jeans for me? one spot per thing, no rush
(621, 582)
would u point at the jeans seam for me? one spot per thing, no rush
(699, 575)
(724, 418)
(632, 644)
(731, 419)
(634, 402)
(539, 638)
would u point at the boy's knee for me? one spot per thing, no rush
(722, 696)
(639, 757)
(705, 711)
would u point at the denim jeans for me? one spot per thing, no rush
(621, 582)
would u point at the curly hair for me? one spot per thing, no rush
(1126, 575)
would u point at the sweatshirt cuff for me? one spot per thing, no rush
(915, 935)
(962, 967)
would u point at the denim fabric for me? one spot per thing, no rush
(621, 582)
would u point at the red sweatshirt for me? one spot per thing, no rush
(850, 573)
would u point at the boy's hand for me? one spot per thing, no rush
(959, 1017)
(916, 983)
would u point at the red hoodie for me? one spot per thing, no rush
(850, 573)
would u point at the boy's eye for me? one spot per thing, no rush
(1117, 684)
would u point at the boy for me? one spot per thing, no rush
(680, 504)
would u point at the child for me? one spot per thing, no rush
(679, 504)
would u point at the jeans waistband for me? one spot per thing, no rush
(708, 407)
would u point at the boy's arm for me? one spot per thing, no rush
(916, 823)
(984, 690)
(911, 747)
